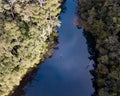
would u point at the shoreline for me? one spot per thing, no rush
(27, 27)
(29, 75)
(98, 18)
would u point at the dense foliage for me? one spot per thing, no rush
(102, 19)
(26, 28)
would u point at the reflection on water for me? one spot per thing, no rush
(65, 73)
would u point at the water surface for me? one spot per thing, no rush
(65, 73)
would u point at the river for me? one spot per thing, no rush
(66, 72)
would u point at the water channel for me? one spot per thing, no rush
(65, 73)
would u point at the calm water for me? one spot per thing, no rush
(65, 73)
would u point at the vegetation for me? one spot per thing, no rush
(26, 28)
(102, 19)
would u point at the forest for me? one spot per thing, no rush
(27, 33)
(102, 19)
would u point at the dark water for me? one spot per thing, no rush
(65, 73)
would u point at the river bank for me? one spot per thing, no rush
(18, 90)
(65, 73)
(27, 37)
(102, 19)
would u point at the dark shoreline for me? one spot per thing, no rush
(99, 20)
(28, 77)
(91, 43)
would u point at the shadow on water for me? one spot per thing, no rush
(91, 43)
(19, 91)
(63, 7)
(65, 73)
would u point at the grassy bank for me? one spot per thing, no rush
(26, 28)
(102, 19)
